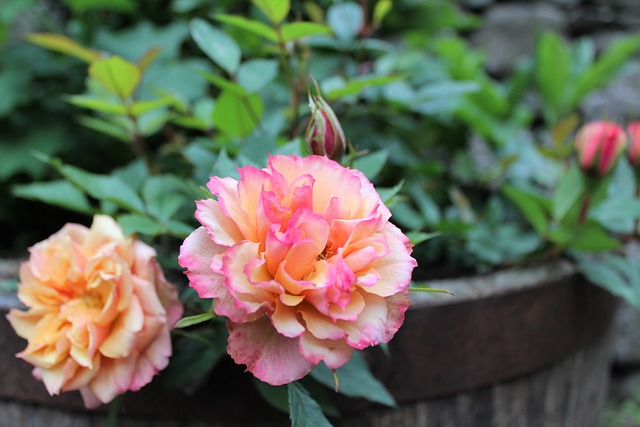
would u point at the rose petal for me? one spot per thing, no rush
(271, 357)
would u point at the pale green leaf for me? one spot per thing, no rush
(63, 44)
(276, 10)
(256, 27)
(194, 320)
(552, 71)
(135, 223)
(105, 127)
(346, 20)
(298, 30)
(355, 86)
(237, 116)
(97, 104)
(103, 187)
(222, 83)
(57, 193)
(532, 207)
(163, 196)
(117, 75)
(381, 10)
(138, 108)
(255, 74)
(217, 45)
(569, 191)
(371, 164)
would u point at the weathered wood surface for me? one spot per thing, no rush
(568, 394)
(511, 353)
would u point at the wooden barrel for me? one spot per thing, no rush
(525, 347)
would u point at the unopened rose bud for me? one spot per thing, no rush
(633, 129)
(599, 145)
(324, 135)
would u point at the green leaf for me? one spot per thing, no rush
(303, 410)
(386, 194)
(57, 193)
(606, 67)
(355, 86)
(237, 116)
(371, 164)
(97, 104)
(569, 191)
(82, 6)
(135, 223)
(117, 75)
(216, 44)
(298, 30)
(534, 208)
(255, 74)
(63, 44)
(417, 237)
(194, 356)
(405, 215)
(138, 108)
(428, 208)
(256, 27)
(356, 380)
(194, 320)
(589, 236)
(163, 196)
(276, 396)
(222, 83)
(381, 9)
(617, 213)
(105, 127)
(177, 228)
(617, 274)
(552, 71)
(346, 20)
(103, 187)
(276, 10)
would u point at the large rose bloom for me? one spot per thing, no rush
(303, 262)
(99, 312)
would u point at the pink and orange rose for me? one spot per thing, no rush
(304, 263)
(99, 312)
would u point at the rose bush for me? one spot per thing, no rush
(99, 312)
(303, 262)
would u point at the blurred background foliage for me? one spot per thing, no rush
(412, 95)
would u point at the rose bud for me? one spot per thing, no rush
(599, 145)
(324, 135)
(633, 129)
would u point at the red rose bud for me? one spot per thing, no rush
(599, 145)
(324, 135)
(633, 129)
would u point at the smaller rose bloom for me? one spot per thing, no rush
(99, 312)
(633, 129)
(324, 134)
(599, 145)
